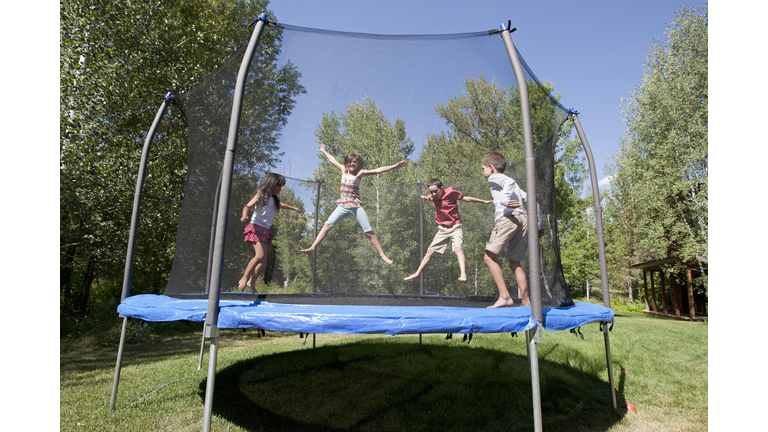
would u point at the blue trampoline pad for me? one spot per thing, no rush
(344, 319)
(570, 317)
(361, 319)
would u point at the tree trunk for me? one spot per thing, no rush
(85, 292)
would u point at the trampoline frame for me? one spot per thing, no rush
(210, 330)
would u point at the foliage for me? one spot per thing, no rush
(660, 174)
(117, 60)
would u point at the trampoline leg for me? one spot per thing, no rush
(528, 347)
(533, 362)
(313, 340)
(610, 367)
(113, 400)
(209, 384)
(202, 349)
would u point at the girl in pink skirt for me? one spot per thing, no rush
(263, 203)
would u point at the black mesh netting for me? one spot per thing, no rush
(309, 86)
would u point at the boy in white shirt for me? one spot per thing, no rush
(510, 229)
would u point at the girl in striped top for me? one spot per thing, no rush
(349, 203)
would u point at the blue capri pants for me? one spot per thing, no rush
(358, 212)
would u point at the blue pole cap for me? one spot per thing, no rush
(168, 96)
(263, 16)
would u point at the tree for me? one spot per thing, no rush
(117, 60)
(660, 174)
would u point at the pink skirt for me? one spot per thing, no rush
(255, 233)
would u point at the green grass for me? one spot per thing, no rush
(384, 383)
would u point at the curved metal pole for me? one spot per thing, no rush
(534, 265)
(212, 316)
(598, 210)
(213, 235)
(132, 237)
(600, 248)
(534, 283)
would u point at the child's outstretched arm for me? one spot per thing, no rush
(248, 207)
(382, 169)
(476, 200)
(286, 206)
(331, 158)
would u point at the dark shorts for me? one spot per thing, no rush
(255, 233)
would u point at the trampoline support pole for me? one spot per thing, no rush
(598, 209)
(132, 237)
(534, 265)
(533, 363)
(113, 399)
(610, 368)
(210, 382)
(217, 264)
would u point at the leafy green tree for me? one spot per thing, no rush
(660, 174)
(117, 61)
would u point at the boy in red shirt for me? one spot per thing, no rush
(449, 224)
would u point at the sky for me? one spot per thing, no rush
(593, 52)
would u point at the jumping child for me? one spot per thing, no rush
(263, 203)
(510, 229)
(349, 203)
(448, 224)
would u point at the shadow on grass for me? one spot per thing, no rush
(380, 385)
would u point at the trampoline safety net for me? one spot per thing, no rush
(440, 101)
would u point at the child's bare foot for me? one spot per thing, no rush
(463, 278)
(412, 277)
(250, 284)
(525, 302)
(386, 260)
(241, 285)
(502, 303)
(309, 251)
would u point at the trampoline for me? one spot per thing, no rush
(350, 291)
(324, 314)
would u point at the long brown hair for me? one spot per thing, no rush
(350, 157)
(265, 186)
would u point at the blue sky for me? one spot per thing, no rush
(592, 51)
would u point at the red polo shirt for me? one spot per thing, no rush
(446, 209)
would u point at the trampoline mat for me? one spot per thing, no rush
(360, 319)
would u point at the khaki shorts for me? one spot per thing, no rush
(440, 242)
(511, 230)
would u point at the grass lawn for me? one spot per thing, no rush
(385, 383)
